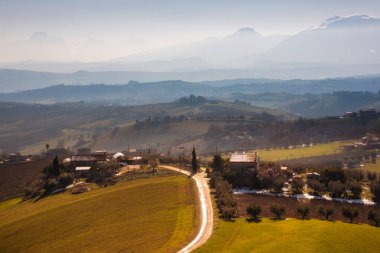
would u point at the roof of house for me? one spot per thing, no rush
(135, 158)
(101, 152)
(313, 174)
(243, 157)
(82, 168)
(117, 155)
(83, 158)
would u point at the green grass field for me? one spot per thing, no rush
(292, 235)
(150, 215)
(316, 150)
(295, 153)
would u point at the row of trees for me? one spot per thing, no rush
(303, 211)
(226, 200)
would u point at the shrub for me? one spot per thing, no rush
(65, 179)
(31, 192)
(356, 189)
(214, 179)
(227, 212)
(53, 170)
(227, 200)
(297, 185)
(303, 211)
(278, 211)
(278, 184)
(355, 175)
(227, 203)
(217, 163)
(374, 217)
(350, 213)
(254, 211)
(103, 176)
(50, 185)
(317, 187)
(337, 189)
(333, 174)
(325, 212)
(371, 176)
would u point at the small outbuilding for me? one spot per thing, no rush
(82, 171)
(118, 156)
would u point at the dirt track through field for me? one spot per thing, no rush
(207, 214)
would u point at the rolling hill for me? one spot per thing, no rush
(144, 215)
(29, 127)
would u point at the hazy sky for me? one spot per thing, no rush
(90, 30)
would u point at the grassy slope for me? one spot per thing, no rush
(316, 150)
(141, 216)
(292, 236)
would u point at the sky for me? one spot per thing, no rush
(96, 30)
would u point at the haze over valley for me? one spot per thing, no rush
(190, 126)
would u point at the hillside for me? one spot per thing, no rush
(72, 125)
(148, 215)
(314, 105)
(182, 124)
(336, 103)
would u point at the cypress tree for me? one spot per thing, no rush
(194, 163)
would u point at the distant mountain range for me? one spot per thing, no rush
(309, 98)
(339, 46)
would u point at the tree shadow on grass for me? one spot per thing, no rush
(232, 220)
(303, 219)
(277, 219)
(42, 196)
(256, 220)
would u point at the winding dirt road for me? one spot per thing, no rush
(207, 214)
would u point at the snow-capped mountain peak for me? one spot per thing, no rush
(349, 21)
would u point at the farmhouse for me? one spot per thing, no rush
(83, 160)
(242, 162)
(136, 160)
(16, 158)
